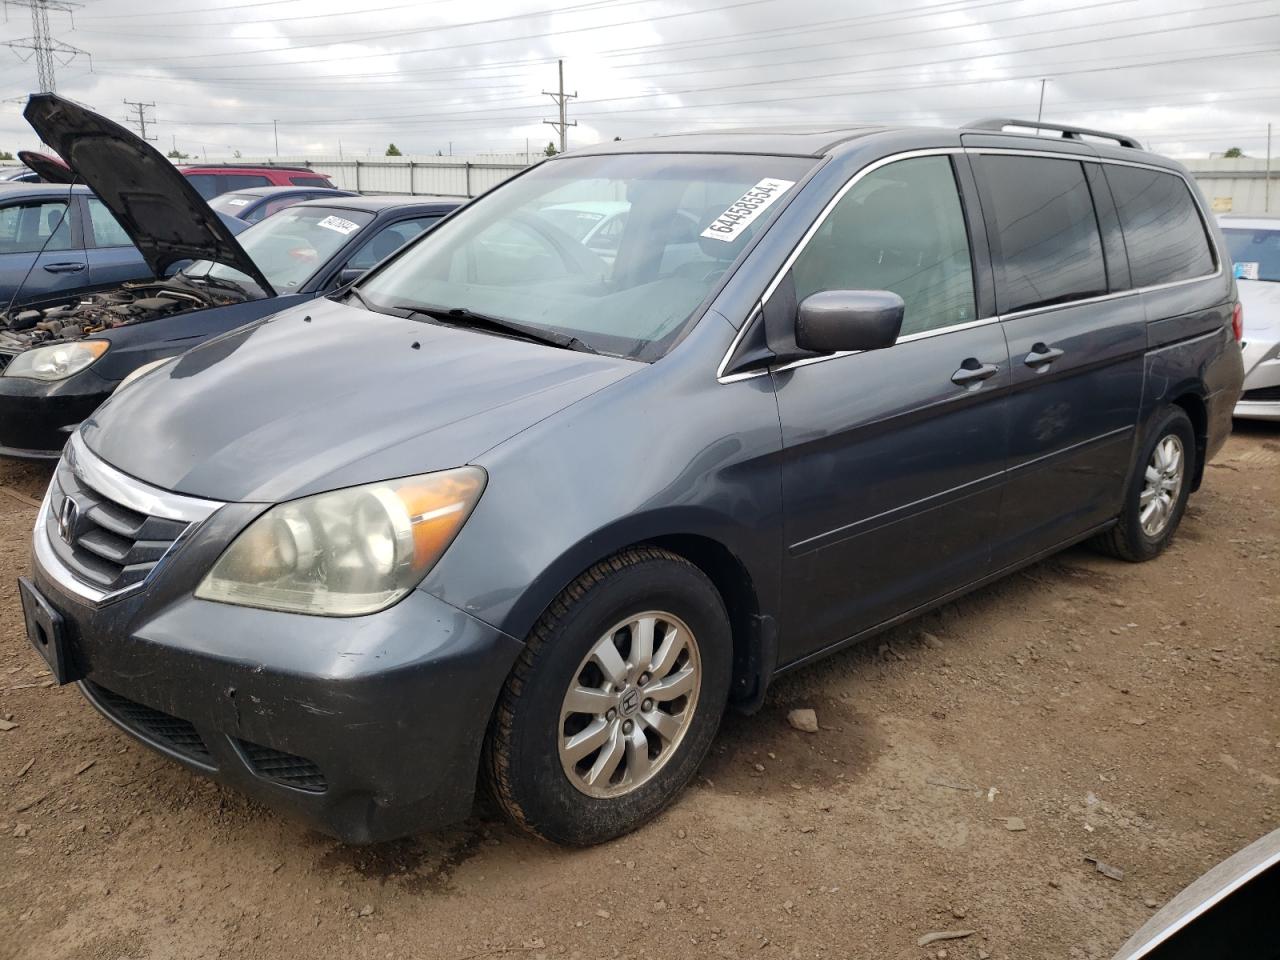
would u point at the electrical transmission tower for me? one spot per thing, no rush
(41, 43)
(562, 101)
(139, 118)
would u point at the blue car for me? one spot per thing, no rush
(61, 360)
(57, 240)
(258, 203)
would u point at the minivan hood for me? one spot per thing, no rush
(325, 395)
(167, 220)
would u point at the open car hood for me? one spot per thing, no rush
(167, 220)
(50, 169)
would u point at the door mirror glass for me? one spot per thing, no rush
(843, 320)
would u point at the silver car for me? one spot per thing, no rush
(1254, 243)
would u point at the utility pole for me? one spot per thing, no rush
(139, 119)
(1266, 189)
(275, 129)
(562, 101)
(43, 47)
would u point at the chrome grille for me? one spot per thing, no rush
(103, 543)
(101, 532)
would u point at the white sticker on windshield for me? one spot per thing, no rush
(745, 209)
(344, 227)
(237, 202)
(1246, 270)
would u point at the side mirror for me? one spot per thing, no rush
(844, 320)
(348, 274)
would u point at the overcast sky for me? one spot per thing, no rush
(1189, 76)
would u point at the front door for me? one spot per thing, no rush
(40, 255)
(893, 459)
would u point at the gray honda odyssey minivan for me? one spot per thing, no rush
(516, 512)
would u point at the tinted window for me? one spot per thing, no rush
(1046, 229)
(388, 240)
(1255, 253)
(107, 231)
(311, 182)
(241, 181)
(1163, 232)
(206, 184)
(899, 228)
(26, 227)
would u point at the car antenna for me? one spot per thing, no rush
(66, 209)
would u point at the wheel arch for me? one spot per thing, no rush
(1191, 401)
(749, 590)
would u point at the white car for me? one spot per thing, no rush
(1254, 243)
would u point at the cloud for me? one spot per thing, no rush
(1190, 77)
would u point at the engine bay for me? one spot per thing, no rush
(24, 327)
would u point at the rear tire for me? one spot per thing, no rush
(1157, 495)
(614, 701)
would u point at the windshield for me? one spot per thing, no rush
(231, 203)
(290, 246)
(1255, 253)
(530, 252)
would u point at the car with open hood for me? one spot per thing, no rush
(506, 510)
(59, 362)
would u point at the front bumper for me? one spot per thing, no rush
(368, 728)
(37, 416)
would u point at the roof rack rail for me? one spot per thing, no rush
(1068, 133)
(250, 166)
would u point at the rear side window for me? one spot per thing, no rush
(1163, 232)
(311, 182)
(206, 184)
(388, 240)
(242, 181)
(899, 228)
(107, 231)
(1046, 231)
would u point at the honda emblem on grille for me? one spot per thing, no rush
(67, 519)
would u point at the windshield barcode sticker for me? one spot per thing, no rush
(1246, 270)
(337, 223)
(237, 202)
(745, 209)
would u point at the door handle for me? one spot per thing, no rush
(1041, 355)
(974, 371)
(63, 267)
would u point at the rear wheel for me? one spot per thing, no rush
(614, 701)
(1157, 494)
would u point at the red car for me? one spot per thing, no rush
(212, 179)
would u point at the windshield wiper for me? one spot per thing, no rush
(462, 317)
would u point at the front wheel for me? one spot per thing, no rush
(614, 701)
(1158, 491)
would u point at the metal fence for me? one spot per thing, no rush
(421, 175)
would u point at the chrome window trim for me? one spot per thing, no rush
(995, 318)
(123, 489)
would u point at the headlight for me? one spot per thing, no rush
(56, 361)
(348, 552)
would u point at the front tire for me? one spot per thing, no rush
(615, 700)
(1158, 492)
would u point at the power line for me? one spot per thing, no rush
(562, 101)
(139, 118)
(44, 48)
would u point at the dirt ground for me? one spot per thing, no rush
(966, 766)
